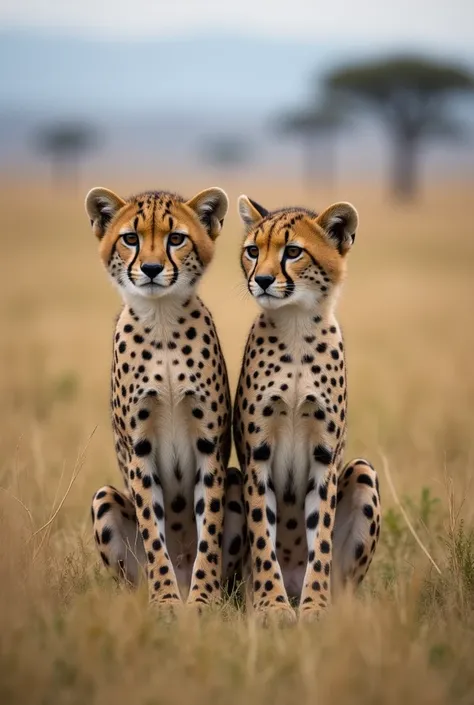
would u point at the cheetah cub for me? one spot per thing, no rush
(171, 409)
(313, 524)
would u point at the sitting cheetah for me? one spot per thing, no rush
(313, 524)
(171, 409)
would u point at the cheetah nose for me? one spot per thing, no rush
(264, 281)
(151, 270)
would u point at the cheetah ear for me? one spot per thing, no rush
(340, 222)
(250, 211)
(101, 206)
(211, 207)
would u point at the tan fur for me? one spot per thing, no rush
(170, 401)
(313, 524)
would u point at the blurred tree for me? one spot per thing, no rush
(316, 127)
(226, 151)
(413, 98)
(64, 143)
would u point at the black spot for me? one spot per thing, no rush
(262, 452)
(234, 506)
(203, 546)
(208, 480)
(235, 545)
(215, 505)
(291, 524)
(368, 511)
(365, 480)
(122, 347)
(321, 347)
(199, 507)
(359, 550)
(146, 481)
(178, 504)
(261, 543)
(271, 516)
(143, 448)
(103, 509)
(322, 455)
(143, 414)
(158, 509)
(257, 514)
(191, 333)
(324, 546)
(106, 535)
(197, 413)
(312, 520)
(205, 446)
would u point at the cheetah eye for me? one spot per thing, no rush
(130, 239)
(252, 251)
(292, 251)
(176, 239)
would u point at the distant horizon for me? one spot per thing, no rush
(457, 48)
(164, 99)
(446, 22)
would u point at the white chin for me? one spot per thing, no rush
(271, 302)
(153, 291)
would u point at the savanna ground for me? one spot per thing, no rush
(68, 634)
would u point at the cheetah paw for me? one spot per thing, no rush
(280, 615)
(310, 616)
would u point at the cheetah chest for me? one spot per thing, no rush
(156, 391)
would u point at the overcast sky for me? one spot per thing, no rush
(434, 22)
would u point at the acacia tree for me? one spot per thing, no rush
(227, 151)
(316, 127)
(64, 143)
(413, 98)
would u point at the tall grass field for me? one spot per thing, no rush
(70, 635)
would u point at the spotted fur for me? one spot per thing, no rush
(313, 524)
(171, 411)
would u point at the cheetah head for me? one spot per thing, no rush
(294, 256)
(156, 244)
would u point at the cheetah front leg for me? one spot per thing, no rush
(209, 511)
(147, 494)
(268, 592)
(320, 509)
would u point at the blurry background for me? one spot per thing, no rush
(293, 103)
(159, 86)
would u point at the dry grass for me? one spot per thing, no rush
(69, 635)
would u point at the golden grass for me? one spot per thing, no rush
(69, 635)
